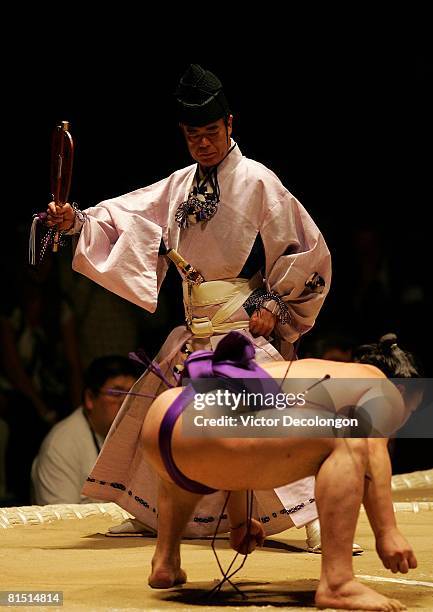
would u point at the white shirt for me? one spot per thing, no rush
(65, 459)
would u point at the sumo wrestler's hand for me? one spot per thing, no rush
(244, 541)
(395, 551)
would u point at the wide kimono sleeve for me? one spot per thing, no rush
(119, 243)
(298, 262)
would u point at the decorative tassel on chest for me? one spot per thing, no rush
(202, 202)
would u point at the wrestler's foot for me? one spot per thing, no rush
(353, 595)
(165, 576)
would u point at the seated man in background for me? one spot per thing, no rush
(69, 451)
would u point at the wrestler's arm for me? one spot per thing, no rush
(392, 547)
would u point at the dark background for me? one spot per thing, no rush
(348, 133)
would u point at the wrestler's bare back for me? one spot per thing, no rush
(260, 463)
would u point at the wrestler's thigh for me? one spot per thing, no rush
(251, 463)
(151, 426)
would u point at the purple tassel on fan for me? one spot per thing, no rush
(117, 392)
(152, 366)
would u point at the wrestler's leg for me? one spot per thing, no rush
(175, 506)
(339, 491)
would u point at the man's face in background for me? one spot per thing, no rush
(103, 407)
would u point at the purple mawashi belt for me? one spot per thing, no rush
(233, 358)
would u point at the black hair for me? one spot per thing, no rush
(110, 366)
(388, 357)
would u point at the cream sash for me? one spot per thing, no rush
(232, 293)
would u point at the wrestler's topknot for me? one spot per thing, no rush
(388, 357)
